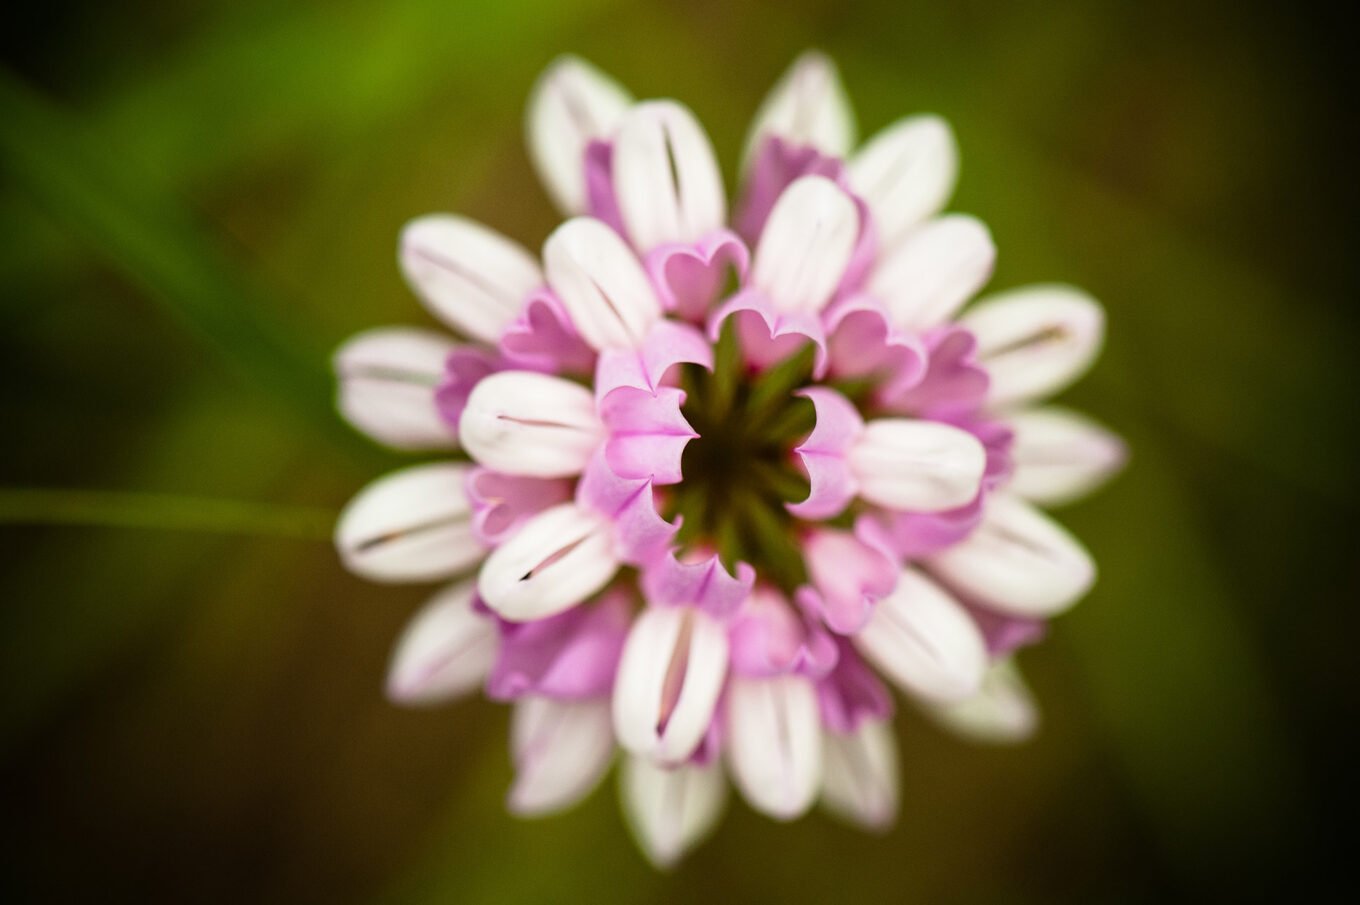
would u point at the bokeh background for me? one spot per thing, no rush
(199, 200)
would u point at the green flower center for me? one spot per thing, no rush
(740, 471)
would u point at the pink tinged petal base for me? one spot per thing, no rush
(1018, 561)
(530, 424)
(639, 532)
(849, 576)
(807, 107)
(670, 810)
(1002, 712)
(851, 694)
(776, 164)
(774, 743)
(1061, 456)
(542, 338)
(387, 379)
(864, 343)
(669, 680)
(690, 278)
(501, 502)
(412, 525)
(860, 784)
(702, 583)
(823, 455)
(602, 202)
(558, 559)
(561, 750)
(445, 651)
(953, 381)
(572, 655)
(464, 368)
(925, 641)
(770, 637)
(1006, 634)
(912, 535)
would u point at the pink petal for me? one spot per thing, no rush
(823, 455)
(849, 575)
(769, 336)
(647, 433)
(703, 584)
(770, 637)
(501, 502)
(640, 533)
(645, 368)
(571, 655)
(953, 381)
(851, 694)
(601, 202)
(689, 278)
(863, 342)
(543, 338)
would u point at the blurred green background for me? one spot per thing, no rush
(199, 200)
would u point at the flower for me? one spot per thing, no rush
(721, 477)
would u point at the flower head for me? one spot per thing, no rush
(720, 478)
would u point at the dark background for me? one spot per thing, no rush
(199, 200)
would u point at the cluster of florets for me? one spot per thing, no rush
(717, 477)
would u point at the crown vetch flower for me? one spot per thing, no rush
(719, 478)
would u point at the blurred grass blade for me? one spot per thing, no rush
(162, 511)
(125, 215)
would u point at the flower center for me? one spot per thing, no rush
(739, 472)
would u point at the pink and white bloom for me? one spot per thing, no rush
(725, 470)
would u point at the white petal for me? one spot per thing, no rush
(806, 245)
(387, 378)
(935, 269)
(469, 276)
(558, 558)
(411, 525)
(923, 640)
(774, 743)
(561, 751)
(1035, 341)
(905, 174)
(666, 176)
(1060, 455)
(670, 810)
(601, 284)
(446, 650)
(572, 103)
(861, 783)
(525, 423)
(917, 466)
(806, 107)
(1003, 711)
(669, 679)
(1018, 561)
